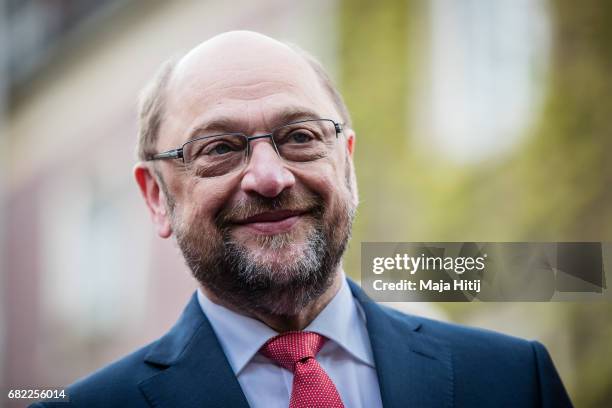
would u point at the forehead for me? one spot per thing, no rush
(253, 82)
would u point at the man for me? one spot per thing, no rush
(246, 158)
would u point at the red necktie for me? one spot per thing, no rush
(296, 351)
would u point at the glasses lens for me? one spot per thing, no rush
(215, 155)
(305, 141)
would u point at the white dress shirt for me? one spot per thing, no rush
(346, 357)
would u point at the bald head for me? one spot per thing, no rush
(237, 51)
(236, 63)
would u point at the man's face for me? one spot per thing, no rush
(270, 235)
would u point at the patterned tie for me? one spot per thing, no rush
(296, 351)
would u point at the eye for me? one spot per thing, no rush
(300, 137)
(221, 148)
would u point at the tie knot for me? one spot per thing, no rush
(289, 348)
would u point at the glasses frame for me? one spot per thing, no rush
(178, 153)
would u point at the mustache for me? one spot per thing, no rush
(287, 200)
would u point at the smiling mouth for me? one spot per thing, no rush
(272, 222)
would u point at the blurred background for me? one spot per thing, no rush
(477, 120)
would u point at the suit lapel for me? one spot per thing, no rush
(414, 369)
(197, 373)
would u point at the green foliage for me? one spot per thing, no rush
(556, 186)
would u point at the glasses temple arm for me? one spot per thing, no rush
(170, 154)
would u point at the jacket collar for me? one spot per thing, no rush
(413, 368)
(197, 373)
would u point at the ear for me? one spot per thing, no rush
(350, 141)
(350, 148)
(154, 197)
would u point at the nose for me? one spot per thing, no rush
(266, 173)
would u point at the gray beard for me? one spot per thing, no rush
(231, 273)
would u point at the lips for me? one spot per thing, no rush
(272, 222)
(272, 216)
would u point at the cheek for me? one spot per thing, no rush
(326, 178)
(201, 200)
(336, 172)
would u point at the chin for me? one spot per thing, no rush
(280, 245)
(276, 250)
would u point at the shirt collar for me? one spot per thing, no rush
(241, 337)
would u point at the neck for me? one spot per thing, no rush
(285, 323)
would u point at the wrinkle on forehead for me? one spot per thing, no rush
(253, 121)
(249, 90)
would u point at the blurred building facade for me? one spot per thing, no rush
(85, 280)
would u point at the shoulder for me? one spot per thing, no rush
(484, 359)
(116, 384)
(461, 336)
(119, 383)
(463, 342)
(457, 333)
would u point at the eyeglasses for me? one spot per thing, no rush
(216, 155)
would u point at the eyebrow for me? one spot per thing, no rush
(227, 124)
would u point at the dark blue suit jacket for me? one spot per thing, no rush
(419, 362)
